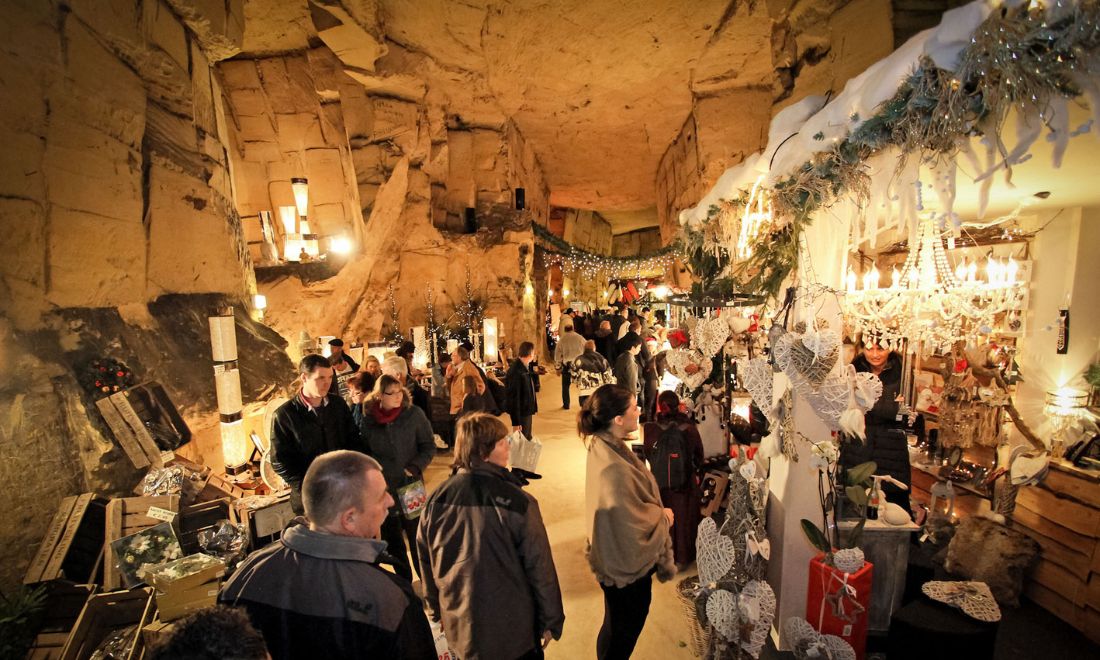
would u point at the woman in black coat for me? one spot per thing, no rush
(886, 444)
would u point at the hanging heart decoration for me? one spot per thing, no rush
(757, 377)
(800, 362)
(754, 547)
(690, 366)
(762, 598)
(722, 613)
(806, 642)
(832, 397)
(746, 469)
(867, 388)
(710, 336)
(822, 343)
(716, 553)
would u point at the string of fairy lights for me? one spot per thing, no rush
(575, 261)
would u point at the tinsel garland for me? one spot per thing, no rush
(594, 266)
(1017, 59)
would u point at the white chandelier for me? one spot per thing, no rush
(928, 303)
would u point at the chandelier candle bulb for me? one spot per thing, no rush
(895, 278)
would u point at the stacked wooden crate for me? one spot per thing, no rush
(1063, 515)
(126, 516)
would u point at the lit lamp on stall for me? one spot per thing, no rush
(300, 187)
(528, 289)
(491, 354)
(259, 303)
(340, 245)
(741, 406)
(227, 385)
(420, 347)
(660, 291)
(1064, 406)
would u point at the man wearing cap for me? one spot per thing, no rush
(337, 354)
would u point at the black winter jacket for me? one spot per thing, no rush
(301, 435)
(406, 443)
(519, 392)
(488, 571)
(885, 444)
(317, 595)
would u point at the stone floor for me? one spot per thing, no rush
(561, 497)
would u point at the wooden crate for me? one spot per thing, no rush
(64, 603)
(217, 487)
(126, 516)
(198, 517)
(105, 613)
(73, 545)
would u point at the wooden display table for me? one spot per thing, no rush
(887, 547)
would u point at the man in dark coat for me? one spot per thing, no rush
(313, 422)
(336, 346)
(318, 591)
(626, 366)
(519, 390)
(642, 358)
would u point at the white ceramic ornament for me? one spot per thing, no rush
(895, 515)
(715, 553)
(848, 560)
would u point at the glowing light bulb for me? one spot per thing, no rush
(960, 271)
(259, 301)
(1013, 269)
(529, 290)
(875, 277)
(895, 278)
(340, 245)
(851, 280)
(565, 292)
(972, 272)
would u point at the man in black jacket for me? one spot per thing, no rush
(318, 591)
(519, 390)
(313, 422)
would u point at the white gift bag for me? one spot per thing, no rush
(525, 453)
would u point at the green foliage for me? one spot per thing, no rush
(1092, 376)
(816, 537)
(16, 616)
(860, 475)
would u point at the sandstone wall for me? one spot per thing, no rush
(115, 152)
(635, 243)
(815, 48)
(388, 165)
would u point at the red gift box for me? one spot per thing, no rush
(838, 603)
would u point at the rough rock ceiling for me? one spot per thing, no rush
(599, 88)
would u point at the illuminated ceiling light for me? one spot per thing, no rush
(259, 301)
(661, 291)
(340, 245)
(565, 292)
(529, 290)
(300, 186)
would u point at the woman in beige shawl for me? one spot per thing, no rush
(628, 539)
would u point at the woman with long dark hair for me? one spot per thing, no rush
(675, 429)
(628, 539)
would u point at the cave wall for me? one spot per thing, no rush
(390, 167)
(116, 149)
(637, 242)
(814, 50)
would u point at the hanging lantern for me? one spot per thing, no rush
(300, 186)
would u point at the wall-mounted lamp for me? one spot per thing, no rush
(300, 186)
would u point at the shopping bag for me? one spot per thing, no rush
(525, 453)
(411, 498)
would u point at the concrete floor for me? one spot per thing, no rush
(561, 497)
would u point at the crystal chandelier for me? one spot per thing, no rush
(928, 303)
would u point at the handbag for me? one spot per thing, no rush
(525, 453)
(411, 499)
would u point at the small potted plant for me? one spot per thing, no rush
(839, 593)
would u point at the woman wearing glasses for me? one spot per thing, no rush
(399, 436)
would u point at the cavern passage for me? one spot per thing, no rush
(838, 231)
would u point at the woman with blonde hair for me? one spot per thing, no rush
(399, 436)
(485, 559)
(628, 527)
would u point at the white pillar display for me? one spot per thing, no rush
(227, 386)
(491, 340)
(420, 344)
(289, 216)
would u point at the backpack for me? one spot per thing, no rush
(670, 460)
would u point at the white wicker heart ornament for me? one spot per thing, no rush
(849, 560)
(763, 599)
(800, 362)
(758, 379)
(716, 553)
(690, 366)
(722, 612)
(710, 335)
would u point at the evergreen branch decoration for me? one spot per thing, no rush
(1017, 60)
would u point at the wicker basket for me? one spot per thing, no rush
(700, 637)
